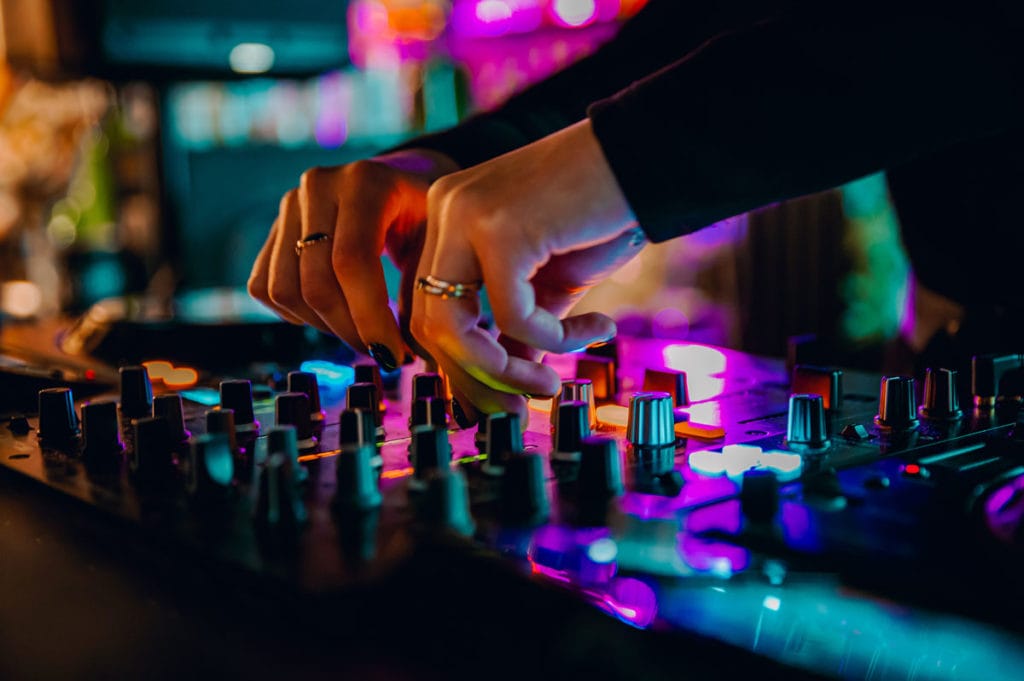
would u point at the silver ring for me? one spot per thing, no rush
(311, 240)
(447, 289)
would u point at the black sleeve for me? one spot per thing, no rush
(661, 33)
(794, 106)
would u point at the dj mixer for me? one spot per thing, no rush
(838, 523)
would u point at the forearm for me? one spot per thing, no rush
(793, 107)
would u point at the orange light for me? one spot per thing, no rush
(181, 377)
(158, 369)
(397, 473)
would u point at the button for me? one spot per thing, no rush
(136, 392)
(524, 498)
(913, 470)
(292, 409)
(651, 421)
(102, 435)
(941, 402)
(805, 429)
(504, 440)
(58, 422)
(668, 381)
(169, 407)
(357, 478)
(237, 396)
(897, 404)
(855, 432)
(306, 382)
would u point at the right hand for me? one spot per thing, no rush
(338, 287)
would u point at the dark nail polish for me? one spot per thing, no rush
(459, 415)
(382, 356)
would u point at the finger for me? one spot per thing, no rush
(358, 244)
(518, 315)
(259, 279)
(477, 399)
(283, 278)
(451, 325)
(320, 291)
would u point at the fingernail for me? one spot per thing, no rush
(459, 415)
(382, 356)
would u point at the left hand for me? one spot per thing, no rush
(539, 226)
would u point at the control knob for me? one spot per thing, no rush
(897, 404)
(806, 430)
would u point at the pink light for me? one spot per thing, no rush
(492, 11)
(574, 13)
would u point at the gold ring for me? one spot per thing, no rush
(446, 289)
(311, 240)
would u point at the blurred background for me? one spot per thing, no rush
(144, 147)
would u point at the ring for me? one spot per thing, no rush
(311, 240)
(446, 289)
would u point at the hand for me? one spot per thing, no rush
(338, 286)
(539, 226)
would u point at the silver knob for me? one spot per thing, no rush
(805, 429)
(650, 422)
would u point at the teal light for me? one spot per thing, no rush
(207, 397)
(330, 376)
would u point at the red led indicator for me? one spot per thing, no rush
(90, 374)
(912, 469)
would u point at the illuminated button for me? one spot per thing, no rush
(181, 377)
(913, 470)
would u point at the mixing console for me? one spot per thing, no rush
(853, 525)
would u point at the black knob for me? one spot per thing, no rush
(504, 440)
(292, 409)
(524, 498)
(650, 421)
(369, 373)
(58, 422)
(759, 495)
(279, 506)
(136, 392)
(430, 453)
(600, 476)
(357, 478)
(169, 407)
(445, 505)
(305, 382)
(236, 395)
(356, 427)
(427, 385)
(572, 426)
(283, 440)
(211, 467)
(366, 396)
(897, 404)
(101, 434)
(576, 390)
(151, 461)
(806, 429)
(941, 401)
(429, 411)
(668, 381)
(816, 380)
(222, 421)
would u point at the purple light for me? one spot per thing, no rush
(491, 18)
